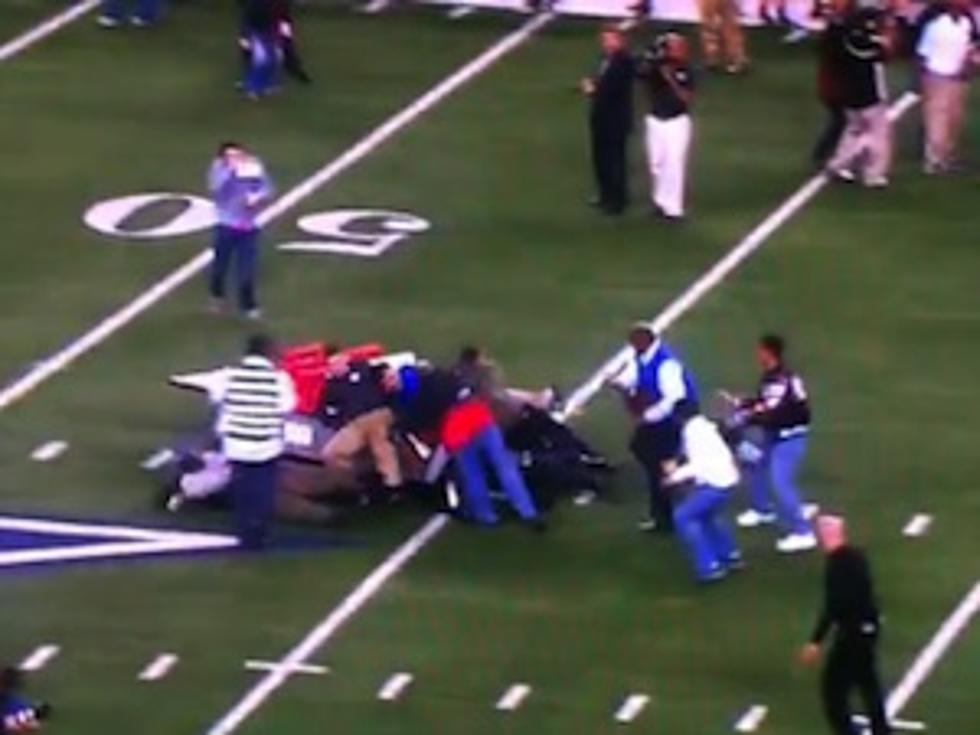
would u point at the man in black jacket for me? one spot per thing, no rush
(850, 610)
(610, 91)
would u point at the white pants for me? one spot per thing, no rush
(668, 142)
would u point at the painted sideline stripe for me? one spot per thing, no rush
(49, 451)
(631, 708)
(51, 366)
(918, 525)
(395, 686)
(40, 657)
(718, 272)
(159, 667)
(514, 697)
(253, 665)
(752, 718)
(50, 26)
(328, 627)
(927, 660)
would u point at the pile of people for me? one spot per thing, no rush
(313, 430)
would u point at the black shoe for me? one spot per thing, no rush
(538, 525)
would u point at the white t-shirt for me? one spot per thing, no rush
(709, 460)
(945, 44)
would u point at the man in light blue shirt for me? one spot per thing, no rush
(239, 186)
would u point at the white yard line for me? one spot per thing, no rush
(41, 31)
(49, 451)
(514, 697)
(752, 718)
(276, 667)
(40, 657)
(47, 368)
(159, 667)
(395, 686)
(930, 656)
(918, 525)
(328, 627)
(631, 708)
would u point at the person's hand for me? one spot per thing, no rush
(809, 654)
(588, 86)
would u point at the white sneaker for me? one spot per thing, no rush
(108, 21)
(796, 542)
(646, 525)
(254, 315)
(175, 502)
(753, 519)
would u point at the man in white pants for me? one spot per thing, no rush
(670, 85)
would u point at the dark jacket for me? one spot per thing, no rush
(612, 101)
(850, 608)
(354, 394)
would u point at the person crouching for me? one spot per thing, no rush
(713, 475)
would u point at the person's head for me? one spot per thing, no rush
(770, 351)
(641, 337)
(963, 6)
(470, 355)
(832, 532)
(675, 47)
(230, 151)
(260, 345)
(612, 40)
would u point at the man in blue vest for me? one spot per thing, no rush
(653, 383)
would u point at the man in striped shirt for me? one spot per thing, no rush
(252, 405)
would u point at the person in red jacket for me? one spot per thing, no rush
(435, 403)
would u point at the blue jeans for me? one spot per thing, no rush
(253, 493)
(485, 450)
(260, 75)
(242, 247)
(774, 479)
(146, 10)
(701, 525)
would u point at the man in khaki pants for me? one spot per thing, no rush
(866, 145)
(946, 51)
(722, 41)
(356, 401)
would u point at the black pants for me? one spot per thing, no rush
(609, 164)
(830, 136)
(851, 665)
(652, 445)
(253, 493)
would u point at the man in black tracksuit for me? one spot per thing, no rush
(610, 90)
(850, 610)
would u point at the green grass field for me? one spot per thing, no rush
(878, 292)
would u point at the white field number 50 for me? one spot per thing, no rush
(362, 233)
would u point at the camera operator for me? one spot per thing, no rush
(18, 714)
(670, 83)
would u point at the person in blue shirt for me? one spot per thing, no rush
(17, 713)
(239, 186)
(259, 41)
(654, 382)
(142, 13)
(781, 408)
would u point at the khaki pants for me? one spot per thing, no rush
(943, 109)
(721, 35)
(371, 431)
(867, 136)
